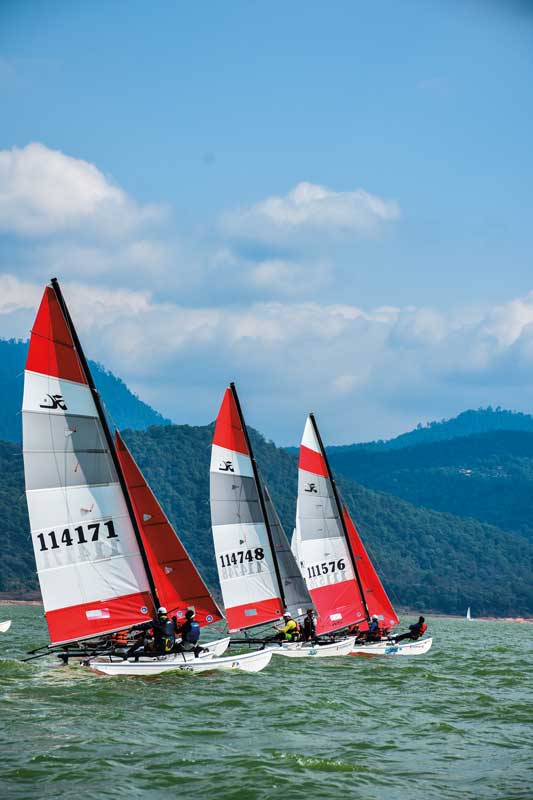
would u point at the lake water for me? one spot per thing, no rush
(455, 723)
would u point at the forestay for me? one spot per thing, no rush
(90, 568)
(246, 566)
(320, 542)
(178, 582)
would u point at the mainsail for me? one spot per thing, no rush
(376, 597)
(257, 573)
(92, 570)
(320, 541)
(178, 582)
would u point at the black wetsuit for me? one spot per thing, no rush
(415, 632)
(309, 629)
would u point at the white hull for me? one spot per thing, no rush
(218, 646)
(405, 648)
(5, 626)
(309, 650)
(248, 662)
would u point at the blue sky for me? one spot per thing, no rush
(330, 204)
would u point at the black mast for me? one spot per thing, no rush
(107, 434)
(259, 491)
(341, 515)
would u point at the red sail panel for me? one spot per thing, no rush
(375, 595)
(51, 350)
(177, 580)
(228, 428)
(338, 605)
(87, 620)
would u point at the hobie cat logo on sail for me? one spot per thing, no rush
(226, 466)
(311, 487)
(53, 401)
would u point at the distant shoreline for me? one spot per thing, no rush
(7, 601)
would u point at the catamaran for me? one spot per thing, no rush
(259, 576)
(339, 574)
(107, 557)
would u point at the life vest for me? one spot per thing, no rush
(165, 634)
(193, 634)
(120, 637)
(423, 629)
(292, 631)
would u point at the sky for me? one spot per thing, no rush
(330, 204)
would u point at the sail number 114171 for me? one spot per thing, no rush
(82, 534)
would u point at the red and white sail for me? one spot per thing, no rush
(376, 597)
(246, 569)
(90, 568)
(177, 580)
(320, 543)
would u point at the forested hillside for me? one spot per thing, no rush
(488, 476)
(428, 560)
(124, 407)
(465, 424)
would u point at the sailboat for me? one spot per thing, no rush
(468, 615)
(106, 554)
(339, 574)
(259, 576)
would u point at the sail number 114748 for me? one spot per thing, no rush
(81, 534)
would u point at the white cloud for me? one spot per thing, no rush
(44, 192)
(310, 208)
(371, 373)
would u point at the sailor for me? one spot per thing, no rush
(374, 629)
(163, 631)
(415, 632)
(289, 631)
(309, 626)
(189, 634)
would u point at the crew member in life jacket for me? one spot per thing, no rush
(374, 630)
(416, 631)
(163, 632)
(309, 625)
(189, 633)
(289, 631)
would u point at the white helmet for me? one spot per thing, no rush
(287, 614)
(162, 610)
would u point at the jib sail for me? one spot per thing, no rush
(178, 582)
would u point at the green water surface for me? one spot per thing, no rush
(455, 723)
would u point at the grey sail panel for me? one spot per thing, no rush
(296, 594)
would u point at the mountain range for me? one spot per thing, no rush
(124, 408)
(400, 497)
